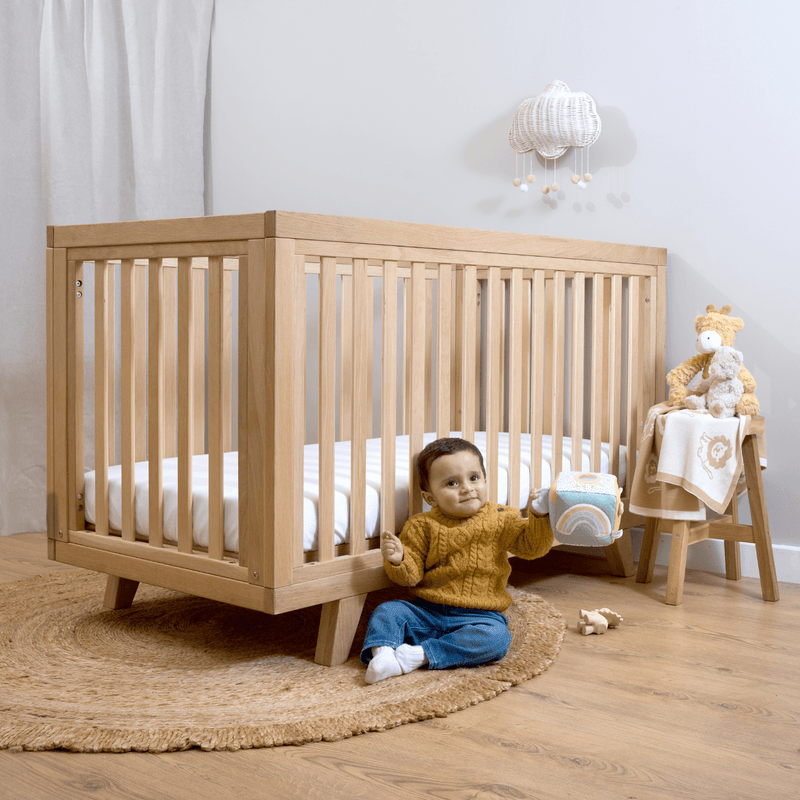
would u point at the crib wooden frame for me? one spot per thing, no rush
(487, 321)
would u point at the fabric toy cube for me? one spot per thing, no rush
(585, 509)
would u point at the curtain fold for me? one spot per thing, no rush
(123, 93)
(102, 116)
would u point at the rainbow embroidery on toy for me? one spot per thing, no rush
(585, 509)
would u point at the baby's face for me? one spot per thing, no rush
(457, 485)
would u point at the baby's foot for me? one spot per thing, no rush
(383, 665)
(410, 657)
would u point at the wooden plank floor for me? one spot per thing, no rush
(699, 701)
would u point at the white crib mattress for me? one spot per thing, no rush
(311, 488)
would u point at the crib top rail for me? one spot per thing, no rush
(237, 229)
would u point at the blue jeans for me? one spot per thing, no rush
(450, 636)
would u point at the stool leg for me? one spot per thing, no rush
(733, 558)
(678, 549)
(758, 513)
(647, 558)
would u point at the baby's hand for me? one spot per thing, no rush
(539, 502)
(391, 548)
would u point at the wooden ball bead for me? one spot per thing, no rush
(517, 181)
(545, 189)
(575, 178)
(554, 187)
(587, 177)
(531, 178)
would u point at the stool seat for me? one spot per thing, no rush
(727, 529)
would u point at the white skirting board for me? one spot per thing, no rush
(709, 556)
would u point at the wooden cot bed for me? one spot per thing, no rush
(214, 382)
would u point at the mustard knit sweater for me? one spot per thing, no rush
(464, 563)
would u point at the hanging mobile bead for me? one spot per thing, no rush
(517, 181)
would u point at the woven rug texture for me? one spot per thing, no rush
(176, 671)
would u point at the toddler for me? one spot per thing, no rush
(455, 558)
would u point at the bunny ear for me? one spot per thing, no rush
(711, 307)
(726, 309)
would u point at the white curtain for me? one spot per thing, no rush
(123, 90)
(102, 117)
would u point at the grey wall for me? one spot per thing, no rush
(400, 110)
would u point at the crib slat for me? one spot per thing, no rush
(155, 401)
(362, 309)
(525, 344)
(327, 406)
(216, 407)
(346, 361)
(299, 375)
(75, 414)
(599, 365)
(469, 317)
(417, 382)
(102, 342)
(659, 302)
(615, 372)
(243, 416)
(456, 347)
(429, 424)
(140, 324)
(537, 404)
(557, 387)
(406, 379)
(494, 335)
(389, 397)
(443, 359)
(516, 383)
(633, 395)
(577, 368)
(111, 365)
(170, 332)
(199, 350)
(130, 423)
(227, 365)
(186, 364)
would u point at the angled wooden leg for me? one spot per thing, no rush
(119, 592)
(337, 628)
(733, 558)
(758, 514)
(677, 563)
(620, 556)
(647, 558)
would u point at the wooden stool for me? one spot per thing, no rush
(727, 528)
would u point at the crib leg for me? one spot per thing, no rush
(337, 628)
(119, 592)
(620, 556)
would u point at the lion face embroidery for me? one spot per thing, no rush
(714, 452)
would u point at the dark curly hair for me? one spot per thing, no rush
(439, 448)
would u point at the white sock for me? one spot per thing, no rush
(383, 665)
(410, 657)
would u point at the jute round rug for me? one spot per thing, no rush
(176, 671)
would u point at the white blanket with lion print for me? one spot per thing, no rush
(687, 461)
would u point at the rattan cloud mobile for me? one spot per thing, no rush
(549, 124)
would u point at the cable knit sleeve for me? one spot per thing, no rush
(415, 538)
(529, 538)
